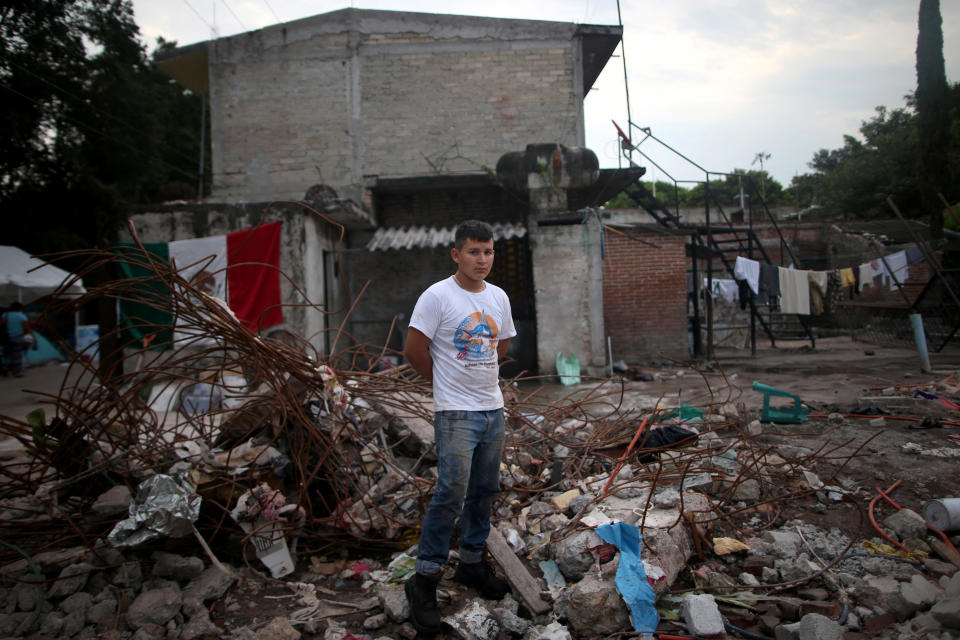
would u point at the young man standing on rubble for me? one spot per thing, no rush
(459, 330)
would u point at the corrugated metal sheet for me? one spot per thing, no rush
(430, 237)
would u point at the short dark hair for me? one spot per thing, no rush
(472, 230)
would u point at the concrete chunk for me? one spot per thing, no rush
(783, 544)
(953, 586)
(701, 614)
(474, 622)
(278, 629)
(572, 556)
(114, 501)
(906, 524)
(596, 607)
(553, 631)
(947, 612)
(172, 565)
(70, 580)
(394, 602)
(919, 592)
(814, 626)
(562, 501)
(157, 606)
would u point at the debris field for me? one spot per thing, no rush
(237, 486)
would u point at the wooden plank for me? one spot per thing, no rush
(945, 551)
(516, 572)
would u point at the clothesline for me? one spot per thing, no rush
(802, 291)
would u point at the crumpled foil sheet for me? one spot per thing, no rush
(165, 506)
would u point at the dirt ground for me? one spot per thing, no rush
(840, 375)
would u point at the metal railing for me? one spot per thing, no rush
(718, 240)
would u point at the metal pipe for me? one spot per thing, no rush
(916, 321)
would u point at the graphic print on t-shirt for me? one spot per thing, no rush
(476, 337)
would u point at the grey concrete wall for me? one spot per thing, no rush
(303, 242)
(396, 279)
(278, 116)
(561, 276)
(698, 215)
(334, 98)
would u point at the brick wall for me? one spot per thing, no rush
(279, 123)
(337, 98)
(645, 296)
(424, 111)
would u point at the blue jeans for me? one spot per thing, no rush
(13, 354)
(469, 449)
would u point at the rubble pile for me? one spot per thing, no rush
(264, 462)
(103, 592)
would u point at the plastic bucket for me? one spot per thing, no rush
(944, 514)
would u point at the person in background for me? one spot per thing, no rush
(460, 328)
(19, 337)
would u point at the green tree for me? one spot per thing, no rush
(724, 191)
(932, 109)
(89, 125)
(667, 193)
(807, 190)
(855, 179)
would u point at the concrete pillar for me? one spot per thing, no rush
(314, 284)
(561, 282)
(566, 253)
(598, 351)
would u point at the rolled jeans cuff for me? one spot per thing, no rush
(470, 557)
(427, 567)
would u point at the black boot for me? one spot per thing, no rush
(421, 593)
(481, 577)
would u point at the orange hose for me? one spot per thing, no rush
(929, 526)
(873, 519)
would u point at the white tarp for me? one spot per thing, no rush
(18, 283)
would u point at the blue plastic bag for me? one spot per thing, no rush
(631, 579)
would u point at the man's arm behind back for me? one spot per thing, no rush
(417, 351)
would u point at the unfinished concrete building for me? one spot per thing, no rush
(398, 126)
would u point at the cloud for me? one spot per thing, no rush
(719, 80)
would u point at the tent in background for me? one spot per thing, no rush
(42, 352)
(18, 283)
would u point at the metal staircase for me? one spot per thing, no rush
(719, 237)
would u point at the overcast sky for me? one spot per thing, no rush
(720, 81)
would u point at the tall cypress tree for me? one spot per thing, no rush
(932, 110)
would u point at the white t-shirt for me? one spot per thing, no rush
(464, 329)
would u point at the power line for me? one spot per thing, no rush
(272, 11)
(234, 15)
(626, 80)
(97, 132)
(83, 101)
(213, 29)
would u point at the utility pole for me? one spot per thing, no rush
(761, 157)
